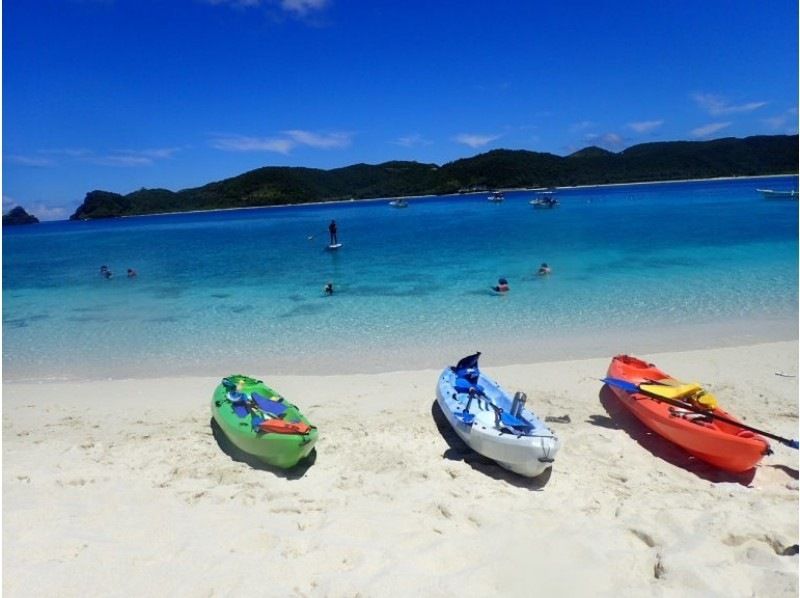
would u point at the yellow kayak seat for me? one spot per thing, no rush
(690, 393)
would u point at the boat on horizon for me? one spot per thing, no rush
(544, 199)
(398, 203)
(496, 196)
(773, 194)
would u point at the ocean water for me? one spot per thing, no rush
(635, 268)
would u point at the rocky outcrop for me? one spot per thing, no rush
(18, 215)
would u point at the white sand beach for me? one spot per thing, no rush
(120, 488)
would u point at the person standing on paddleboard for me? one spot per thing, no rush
(332, 231)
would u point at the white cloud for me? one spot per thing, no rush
(131, 157)
(581, 126)
(301, 8)
(241, 143)
(67, 152)
(45, 212)
(412, 140)
(161, 153)
(282, 145)
(36, 161)
(608, 140)
(324, 141)
(475, 141)
(786, 122)
(297, 8)
(236, 3)
(709, 129)
(716, 105)
(123, 157)
(134, 157)
(776, 122)
(645, 126)
(40, 210)
(121, 160)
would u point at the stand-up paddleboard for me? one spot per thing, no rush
(333, 247)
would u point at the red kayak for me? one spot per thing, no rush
(720, 443)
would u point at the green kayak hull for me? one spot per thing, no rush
(278, 450)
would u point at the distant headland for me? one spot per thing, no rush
(18, 215)
(506, 169)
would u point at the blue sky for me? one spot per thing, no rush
(124, 94)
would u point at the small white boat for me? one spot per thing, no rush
(544, 199)
(398, 203)
(493, 423)
(771, 194)
(496, 196)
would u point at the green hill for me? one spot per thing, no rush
(671, 160)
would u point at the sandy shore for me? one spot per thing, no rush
(121, 488)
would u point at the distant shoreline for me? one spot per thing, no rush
(432, 195)
(728, 178)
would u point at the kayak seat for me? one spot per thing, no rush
(463, 385)
(237, 397)
(239, 402)
(268, 405)
(680, 392)
(470, 374)
(690, 393)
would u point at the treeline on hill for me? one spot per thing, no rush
(662, 161)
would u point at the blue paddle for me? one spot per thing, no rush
(635, 388)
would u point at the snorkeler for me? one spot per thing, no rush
(329, 288)
(543, 269)
(502, 286)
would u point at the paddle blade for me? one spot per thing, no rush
(623, 384)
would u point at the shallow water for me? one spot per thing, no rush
(643, 267)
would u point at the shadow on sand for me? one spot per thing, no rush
(622, 419)
(235, 453)
(790, 471)
(458, 451)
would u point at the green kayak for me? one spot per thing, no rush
(261, 422)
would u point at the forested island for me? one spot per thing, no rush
(17, 216)
(497, 169)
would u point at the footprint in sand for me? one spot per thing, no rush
(446, 513)
(644, 537)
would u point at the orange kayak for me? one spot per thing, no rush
(722, 444)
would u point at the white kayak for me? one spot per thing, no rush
(493, 423)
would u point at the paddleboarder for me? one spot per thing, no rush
(332, 231)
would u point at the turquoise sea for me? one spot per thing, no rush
(668, 266)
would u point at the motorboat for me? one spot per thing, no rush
(772, 194)
(496, 196)
(544, 199)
